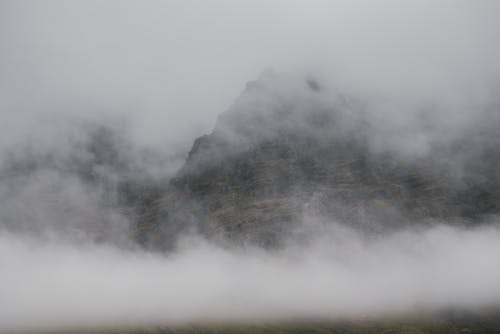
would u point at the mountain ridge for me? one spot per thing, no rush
(285, 151)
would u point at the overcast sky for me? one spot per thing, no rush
(173, 66)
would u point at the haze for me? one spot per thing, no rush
(155, 75)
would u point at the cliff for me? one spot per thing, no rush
(287, 152)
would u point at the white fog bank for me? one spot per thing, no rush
(46, 286)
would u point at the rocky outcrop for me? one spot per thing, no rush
(284, 151)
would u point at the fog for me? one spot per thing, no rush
(100, 97)
(50, 286)
(171, 67)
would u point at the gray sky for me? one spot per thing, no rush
(173, 66)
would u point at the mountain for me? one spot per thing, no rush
(77, 181)
(290, 150)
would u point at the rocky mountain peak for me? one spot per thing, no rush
(289, 148)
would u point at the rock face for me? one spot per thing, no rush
(286, 150)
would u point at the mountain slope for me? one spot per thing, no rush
(287, 151)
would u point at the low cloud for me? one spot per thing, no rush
(341, 274)
(101, 101)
